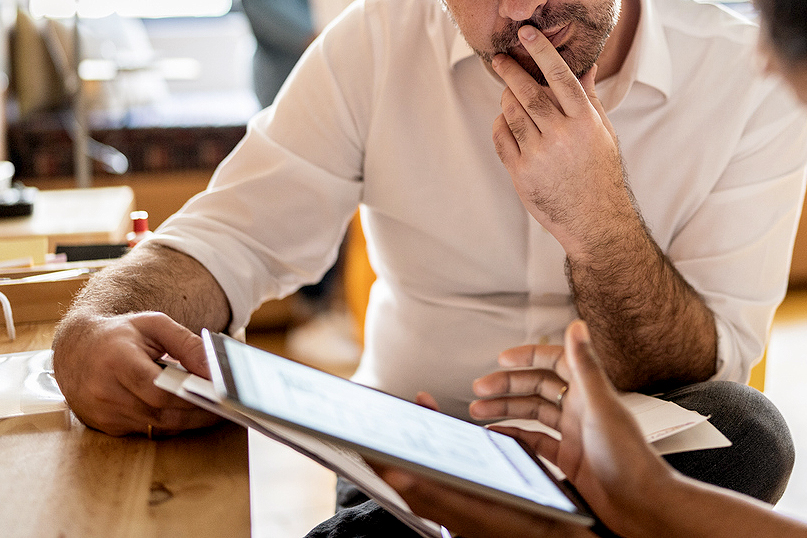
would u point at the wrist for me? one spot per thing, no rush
(639, 507)
(601, 245)
(663, 507)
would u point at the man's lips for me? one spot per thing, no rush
(555, 35)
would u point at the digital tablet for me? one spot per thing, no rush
(387, 429)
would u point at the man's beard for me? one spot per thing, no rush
(590, 31)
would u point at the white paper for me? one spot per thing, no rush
(668, 427)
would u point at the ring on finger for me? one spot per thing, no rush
(561, 394)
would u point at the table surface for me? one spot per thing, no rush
(68, 480)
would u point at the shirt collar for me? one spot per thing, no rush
(648, 61)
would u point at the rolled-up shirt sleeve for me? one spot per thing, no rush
(737, 248)
(275, 212)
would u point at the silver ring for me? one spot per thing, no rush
(560, 396)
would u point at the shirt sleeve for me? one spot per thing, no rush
(736, 250)
(274, 214)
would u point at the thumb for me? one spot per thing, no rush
(168, 336)
(584, 364)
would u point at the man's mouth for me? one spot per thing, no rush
(556, 35)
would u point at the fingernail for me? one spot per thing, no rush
(528, 33)
(476, 409)
(496, 61)
(479, 388)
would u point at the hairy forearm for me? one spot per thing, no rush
(651, 329)
(155, 278)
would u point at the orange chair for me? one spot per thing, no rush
(358, 276)
(758, 374)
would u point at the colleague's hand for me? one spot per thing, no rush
(470, 516)
(105, 368)
(528, 379)
(602, 450)
(560, 148)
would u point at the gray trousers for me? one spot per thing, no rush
(758, 463)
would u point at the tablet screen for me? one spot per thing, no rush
(383, 425)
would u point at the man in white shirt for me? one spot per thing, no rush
(392, 109)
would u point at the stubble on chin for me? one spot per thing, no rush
(591, 30)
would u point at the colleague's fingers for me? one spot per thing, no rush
(148, 404)
(172, 421)
(116, 412)
(159, 334)
(424, 399)
(535, 356)
(136, 370)
(136, 373)
(466, 514)
(529, 381)
(564, 84)
(525, 407)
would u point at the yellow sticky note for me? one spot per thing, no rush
(35, 248)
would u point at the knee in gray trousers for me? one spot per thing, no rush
(761, 457)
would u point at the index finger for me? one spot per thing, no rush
(564, 84)
(544, 357)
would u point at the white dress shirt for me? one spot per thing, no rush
(390, 109)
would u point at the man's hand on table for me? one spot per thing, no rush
(105, 368)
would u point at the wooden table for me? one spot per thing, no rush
(72, 481)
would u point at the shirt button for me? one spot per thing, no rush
(544, 340)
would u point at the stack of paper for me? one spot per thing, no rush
(668, 427)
